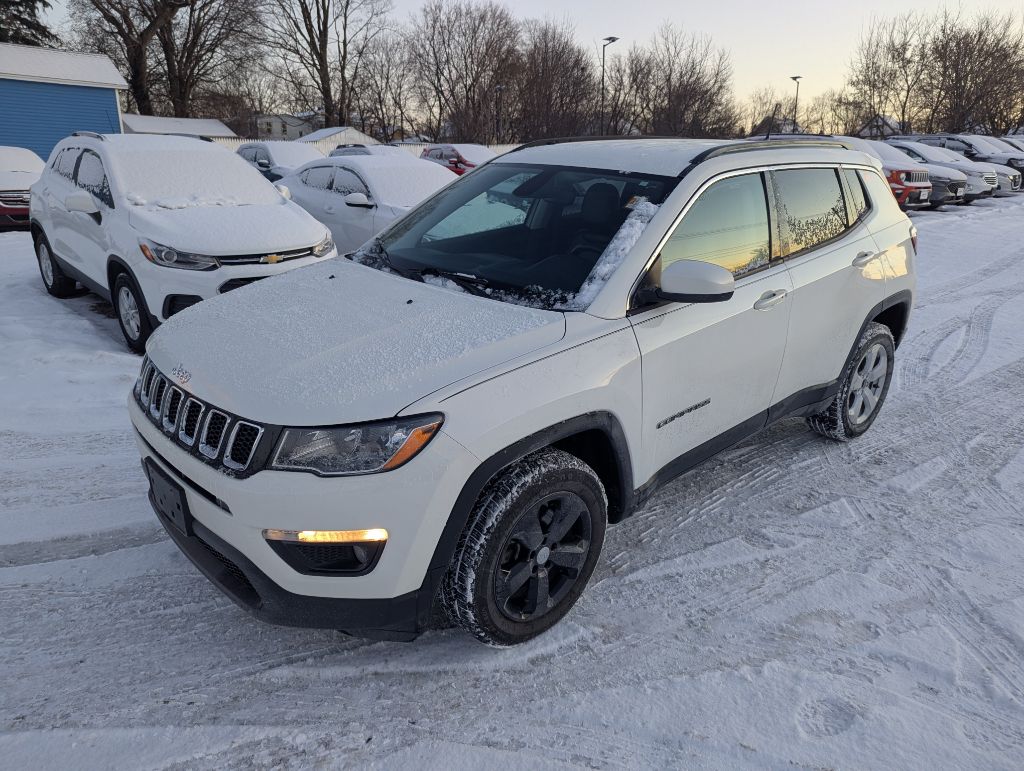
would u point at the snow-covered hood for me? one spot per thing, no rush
(228, 230)
(339, 342)
(17, 180)
(1003, 158)
(1005, 171)
(970, 168)
(945, 173)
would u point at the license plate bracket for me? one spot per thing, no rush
(168, 498)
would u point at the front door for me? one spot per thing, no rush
(86, 234)
(351, 226)
(710, 369)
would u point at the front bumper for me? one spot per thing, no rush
(413, 503)
(911, 197)
(13, 219)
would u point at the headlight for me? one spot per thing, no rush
(159, 254)
(364, 448)
(324, 247)
(902, 176)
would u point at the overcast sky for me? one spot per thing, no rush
(768, 40)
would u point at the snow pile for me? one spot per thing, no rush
(622, 242)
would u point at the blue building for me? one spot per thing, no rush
(45, 95)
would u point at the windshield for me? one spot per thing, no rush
(177, 176)
(530, 234)
(404, 182)
(293, 154)
(979, 143)
(1000, 145)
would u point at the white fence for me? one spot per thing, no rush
(326, 145)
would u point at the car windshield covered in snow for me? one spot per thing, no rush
(522, 232)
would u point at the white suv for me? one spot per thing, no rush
(457, 413)
(158, 223)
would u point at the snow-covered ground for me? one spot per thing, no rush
(793, 603)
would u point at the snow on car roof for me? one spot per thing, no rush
(475, 153)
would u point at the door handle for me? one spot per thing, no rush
(862, 259)
(770, 299)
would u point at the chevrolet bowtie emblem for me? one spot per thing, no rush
(271, 259)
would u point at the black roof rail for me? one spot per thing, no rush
(91, 134)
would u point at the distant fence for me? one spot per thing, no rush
(326, 145)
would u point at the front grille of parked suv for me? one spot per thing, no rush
(990, 178)
(918, 177)
(17, 198)
(206, 432)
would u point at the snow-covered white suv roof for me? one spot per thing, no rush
(671, 156)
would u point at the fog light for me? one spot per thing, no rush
(327, 536)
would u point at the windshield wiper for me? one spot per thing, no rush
(472, 284)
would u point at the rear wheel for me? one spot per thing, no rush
(132, 314)
(54, 280)
(862, 388)
(529, 549)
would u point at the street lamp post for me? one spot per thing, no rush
(607, 42)
(796, 100)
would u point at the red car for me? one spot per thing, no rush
(19, 170)
(459, 158)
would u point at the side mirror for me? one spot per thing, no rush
(284, 191)
(81, 201)
(359, 200)
(453, 161)
(692, 281)
(262, 163)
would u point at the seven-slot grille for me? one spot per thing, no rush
(991, 178)
(917, 176)
(203, 430)
(14, 198)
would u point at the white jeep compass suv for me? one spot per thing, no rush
(158, 223)
(456, 414)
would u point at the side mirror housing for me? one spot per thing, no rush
(692, 281)
(263, 164)
(81, 201)
(358, 200)
(284, 191)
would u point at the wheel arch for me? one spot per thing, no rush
(895, 314)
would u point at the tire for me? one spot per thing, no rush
(131, 311)
(516, 545)
(862, 388)
(56, 283)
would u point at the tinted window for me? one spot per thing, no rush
(727, 225)
(263, 155)
(91, 176)
(249, 153)
(811, 207)
(346, 182)
(858, 199)
(65, 163)
(318, 177)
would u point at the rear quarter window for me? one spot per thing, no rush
(859, 203)
(881, 198)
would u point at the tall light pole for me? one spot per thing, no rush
(607, 42)
(796, 100)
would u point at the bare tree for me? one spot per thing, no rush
(384, 94)
(125, 28)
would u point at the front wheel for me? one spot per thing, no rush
(132, 315)
(529, 549)
(862, 387)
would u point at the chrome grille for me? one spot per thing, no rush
(18, 198)
(207, 433)
(991, 178)
(918, 176)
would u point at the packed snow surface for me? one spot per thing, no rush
(794, 603)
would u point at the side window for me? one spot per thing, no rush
(811, 207)
(346, 182)
(91, 176)
(318, 177)
(858, 198)
(65, 163)
(727, 225)
(249, 153)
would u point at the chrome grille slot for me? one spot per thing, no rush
(991, 178)
(156, 396)
(148, 371)
(213, 433)
(242, 445)
(192, 413)
(170, 419)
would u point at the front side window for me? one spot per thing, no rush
(249, 153)
(263, 156)
(318, 177)
(92, 177)
(522, 232)
(727, 225)
(346, 181)
(811, 207)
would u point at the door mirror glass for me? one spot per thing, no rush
(358, 200)
(81, 201)
(693, 281)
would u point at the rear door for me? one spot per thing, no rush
(837, 271)
(709, 370)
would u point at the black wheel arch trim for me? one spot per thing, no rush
(116, 265)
